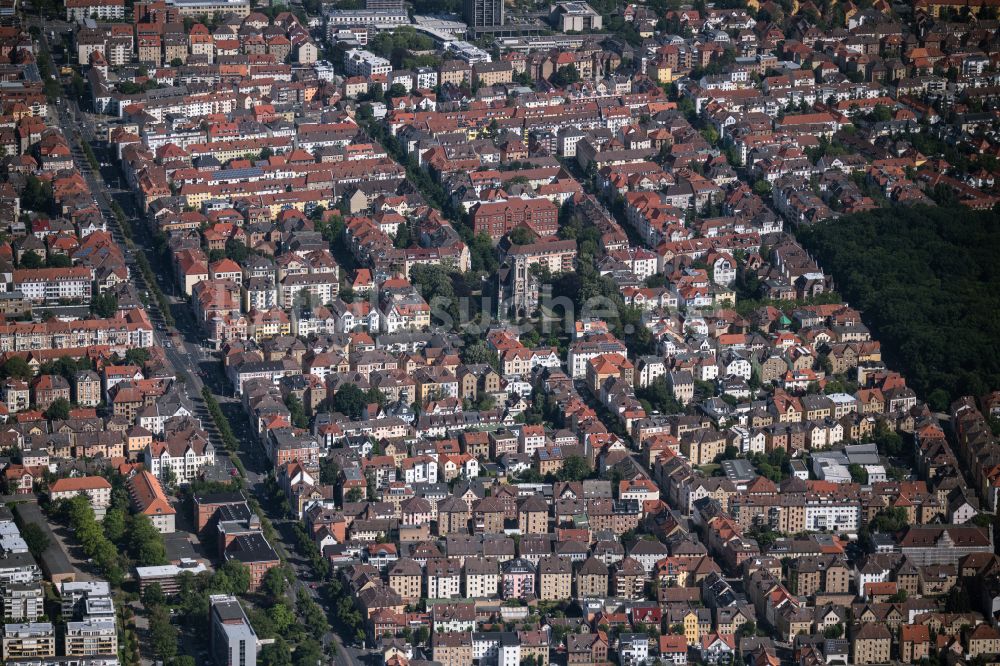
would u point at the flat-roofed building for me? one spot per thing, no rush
(91, 636)
(19, 568)
(22, 602)
(211, 7)
(73, 593)
(234, 641)
(576, 17)
(166, 575)
(27, 640)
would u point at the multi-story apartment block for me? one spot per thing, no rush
(483, 13)
(149, 499)
(211, 7)
(96, 488)
(182, 460)
(309, 289)
(77, 10)
(92, 636)
(29, 640)
(453, 649)
(444, 579)
(405, 578)
(72, 595)
(555, 578)
(22, 602)
(16, 395)
(55, 285)
(358, 62)
(482, 577)
(87, 388)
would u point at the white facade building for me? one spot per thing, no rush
(359, 62)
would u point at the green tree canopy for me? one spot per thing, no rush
(278, 653)
(104, 305)
(233, 577)
(349, 400)
(297, 411)
(575, 468)
(145, 542)
(858, 473)
(31, 260)
(565, 75)
(37, 195)
(153, 595)
(162, 634)
(58, 410)
(890, 520)
(36, 538)
(16, 367)
(522, 236)
(308, 653)
(237, 251)
(275, 581)
(479, 352)
(137, 356)
(927, 279)
(58, 261)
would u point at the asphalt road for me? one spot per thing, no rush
(190, 359)
(192, 362)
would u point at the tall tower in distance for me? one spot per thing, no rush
(484, 13)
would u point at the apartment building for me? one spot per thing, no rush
(72, 594)
(308, 289)
(87, 388)
(211, 7)
(406, 579)
(22, 602)
(872, 644)
(482, 577)
(444, 579)
(16, 395)
(77, 10)
(555, 578)
(55, 285)
(19, 567)
(581, 352)
(483, 13)
(29, 640)
(502, 648)
(358, 62)
(148, 498)
(120, 333)
(184, 460)
(93, 636)
(96, 488)
(453, 649)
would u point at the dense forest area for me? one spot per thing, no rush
(927, 281)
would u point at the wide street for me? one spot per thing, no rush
(195, 365)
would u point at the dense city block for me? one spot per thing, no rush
(489, 333)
